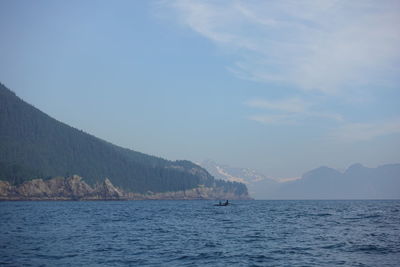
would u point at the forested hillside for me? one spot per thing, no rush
(34, 145)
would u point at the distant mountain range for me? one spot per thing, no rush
(34, 148)
(34, 145)
(259, 185)
(357, 182)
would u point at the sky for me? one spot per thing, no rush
(281, 87)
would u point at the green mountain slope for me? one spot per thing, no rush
(34, 145)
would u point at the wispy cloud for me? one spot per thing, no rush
(288, 111)
(289, 119)
(326, 46)
(338, 49)
(288, 105)
(366, 131)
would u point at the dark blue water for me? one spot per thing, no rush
(195, 233)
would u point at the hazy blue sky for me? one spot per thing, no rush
(279, 86)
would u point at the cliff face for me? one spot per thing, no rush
(71, 188)
(74, 188)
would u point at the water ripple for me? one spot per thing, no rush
(195, 233)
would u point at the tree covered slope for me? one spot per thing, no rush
(34, 145)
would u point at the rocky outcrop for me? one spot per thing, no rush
(107, 190)
(75, 188)
(195, 193)
(5, 189)
(59, 188)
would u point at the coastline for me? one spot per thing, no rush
(74, 188)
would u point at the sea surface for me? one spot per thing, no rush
(196, 233)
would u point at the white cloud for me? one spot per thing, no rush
(288, 105)
(366, 131)
(338, 49)
(327, 46)
(274, 119)
(288, 111)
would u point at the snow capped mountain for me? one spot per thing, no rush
(259, 185)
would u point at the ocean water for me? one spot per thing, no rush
(195, 233)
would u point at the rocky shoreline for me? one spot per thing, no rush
(76, 189)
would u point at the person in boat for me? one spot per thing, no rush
(220, 203)
(226, 203)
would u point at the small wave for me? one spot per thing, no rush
(369, 249)
(323, 214)
(202, 256)
(261, 258)
(210, 245)
(363, 216)
(372, 216)
(56, 257)
(332, 246)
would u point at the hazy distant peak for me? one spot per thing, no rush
(322, 171)
(388, 166)
(356, 182)
(208, 161)
(357, 167)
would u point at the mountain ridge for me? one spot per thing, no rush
(35, 145)
(355, 182)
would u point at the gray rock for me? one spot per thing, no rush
(75, 188)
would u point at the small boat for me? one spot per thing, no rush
(226, 203)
